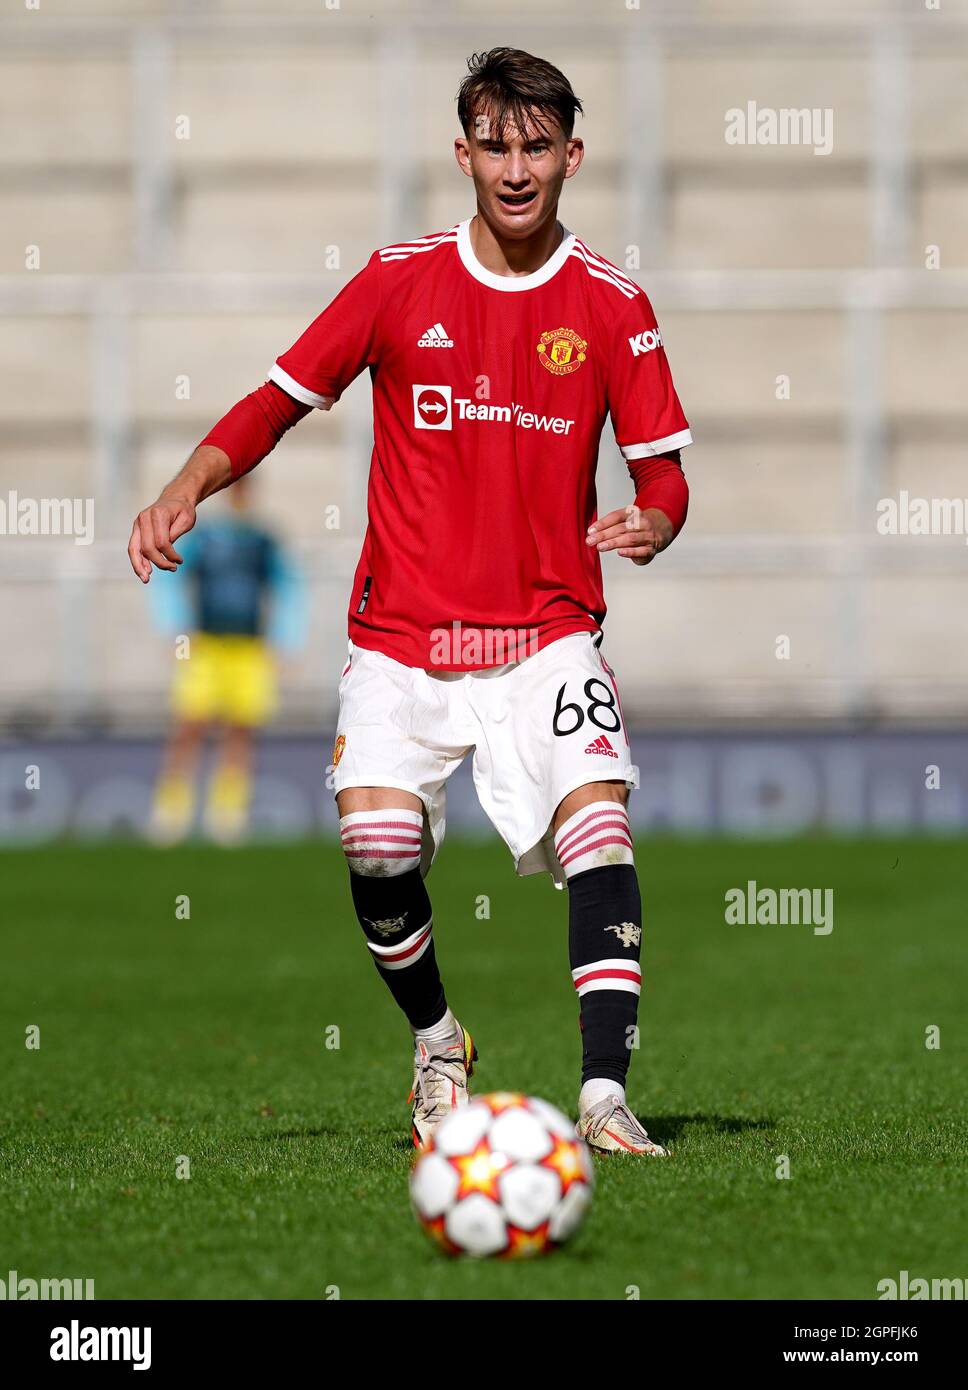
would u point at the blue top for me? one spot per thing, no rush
(236, 580)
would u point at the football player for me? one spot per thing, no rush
(496, 349)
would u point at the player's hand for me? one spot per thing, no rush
(154, 531)
(637, 534)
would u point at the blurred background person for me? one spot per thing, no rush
(237, 600)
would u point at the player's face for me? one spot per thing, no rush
(518, 179)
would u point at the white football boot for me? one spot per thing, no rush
(610, 1127)
(440, 1072)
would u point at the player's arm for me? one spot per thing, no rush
(332, 352)
(240, 440)
(650, 429)
(652, 522)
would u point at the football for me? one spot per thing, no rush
(505, 1175)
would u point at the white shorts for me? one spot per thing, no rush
(538, 728)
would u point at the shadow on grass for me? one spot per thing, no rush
(663, 1127)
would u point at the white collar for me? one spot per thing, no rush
(511, 283)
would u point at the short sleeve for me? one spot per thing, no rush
(642, 401)
(336, 346)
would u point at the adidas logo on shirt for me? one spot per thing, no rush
(601, 745)
(435, 336)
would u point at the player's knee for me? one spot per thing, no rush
(389, 893)
(381, 844)
(613, 791)
(594, 837)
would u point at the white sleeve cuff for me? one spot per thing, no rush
(298, 393)
(658, 446)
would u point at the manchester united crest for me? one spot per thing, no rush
(338, 747)
(561, 350)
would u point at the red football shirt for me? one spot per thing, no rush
(489, 398)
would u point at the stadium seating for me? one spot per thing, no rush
(307, 141)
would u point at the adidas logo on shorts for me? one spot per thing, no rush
(435, 336)
(601, 745)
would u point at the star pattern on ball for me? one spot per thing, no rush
(564, 1160)
(479, 1171)
(522, 1244)
(499, 1101)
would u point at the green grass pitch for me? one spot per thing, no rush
(206, 1038)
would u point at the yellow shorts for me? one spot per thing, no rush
(230, 679)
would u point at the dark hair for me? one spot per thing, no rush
(517, 87)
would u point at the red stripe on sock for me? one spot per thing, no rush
(403, 954)
(635, 975)
(612, 820)
(587, 849)
(383, 839)
(381, 854)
